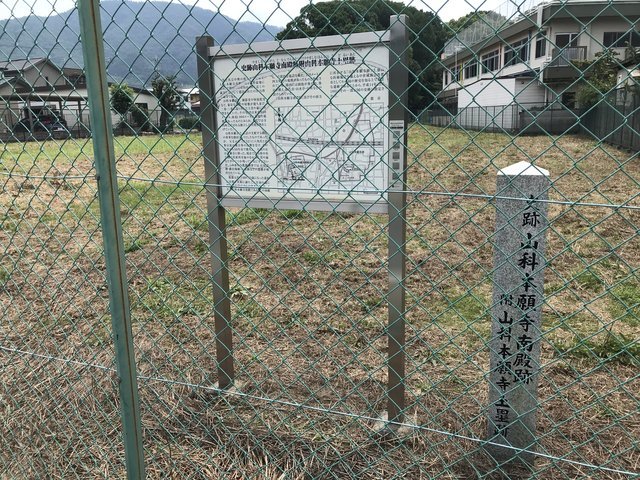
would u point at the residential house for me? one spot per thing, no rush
(517, 72)
(26, 85)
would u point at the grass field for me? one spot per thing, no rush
(308, 294)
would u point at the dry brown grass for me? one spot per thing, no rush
(308, 294)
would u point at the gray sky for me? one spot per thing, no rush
(273, 12)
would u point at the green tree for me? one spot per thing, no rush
(459, 24)
(426, 35)
(632, 56)
(121, 97)
(140, 119)
(599, 77)
(164, 88)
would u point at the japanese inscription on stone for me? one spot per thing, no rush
(521, 222)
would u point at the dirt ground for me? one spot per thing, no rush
(309, 307)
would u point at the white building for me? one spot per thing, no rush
(501, 74)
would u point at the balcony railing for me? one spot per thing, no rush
(564, 57)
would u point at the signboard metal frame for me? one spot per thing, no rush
(396, 39)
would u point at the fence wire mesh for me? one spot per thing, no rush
(309, 290)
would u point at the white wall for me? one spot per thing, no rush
(611, 24)
(43, 75)
(593, 34)
(499, 91)
(529, 91)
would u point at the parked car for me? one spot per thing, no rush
(41, 119)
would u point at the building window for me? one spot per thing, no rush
(517, 52)
(471, 69)
(491, 61)
(621, 39)
(541, 44)
(78, 80)
(566, 40)
(455, 73)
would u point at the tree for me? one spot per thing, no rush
(164, 88)
(600, 76)
(632, 56)
(121, 97)
(459, 24)
(426, 36)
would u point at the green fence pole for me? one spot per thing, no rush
(101, 132)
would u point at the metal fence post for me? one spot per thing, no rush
(398, 75)
(216, 215)
(100, 113)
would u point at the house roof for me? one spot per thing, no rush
(12, 68)
(20, 65)
(12, 81)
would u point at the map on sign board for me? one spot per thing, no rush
(304, 126)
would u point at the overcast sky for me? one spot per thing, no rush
(270, 11)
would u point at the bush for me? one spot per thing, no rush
(140, 119)
(189, 123)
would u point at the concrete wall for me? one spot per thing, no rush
(529, 91)
(499, 91)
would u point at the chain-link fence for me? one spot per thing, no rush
(246, 281)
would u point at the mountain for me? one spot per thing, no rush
(140, 38)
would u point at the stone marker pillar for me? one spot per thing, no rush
(518, 298)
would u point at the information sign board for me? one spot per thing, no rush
(302, 124)
(315, 124)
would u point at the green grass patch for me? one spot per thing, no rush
(133, 245)
(613, 347)
(372, 303)
(144, 200)
(167, 299)
(52, 152)
(8, 223)
(5, 275)
(312, 256)
(589, 280)
(200, 246)
(197, 221)
(553, 288)
(249, 308)
(291, 214)
(469, 308)
(246, 215)
(582, 323)
(325, 256)
(156, 145)
(624, 303)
